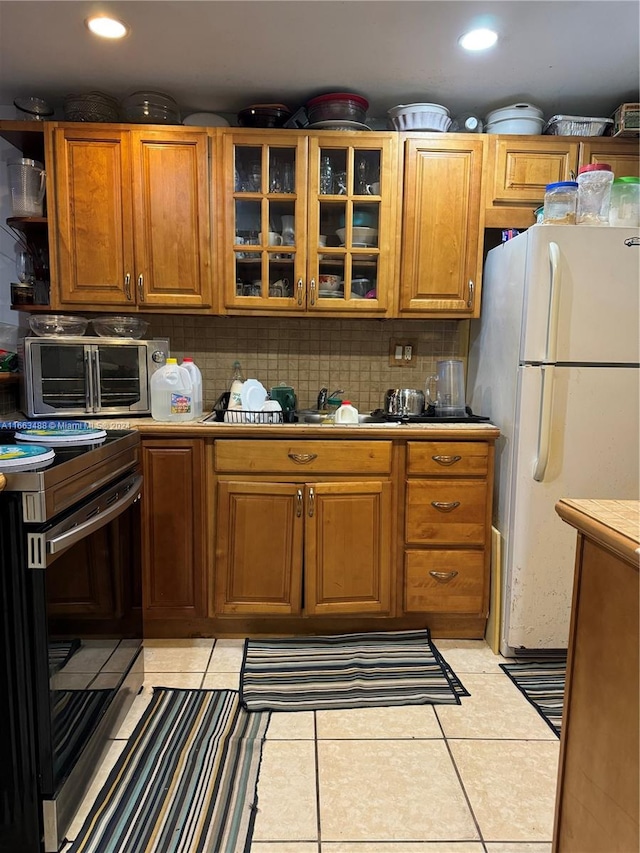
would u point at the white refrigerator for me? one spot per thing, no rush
(554, 361)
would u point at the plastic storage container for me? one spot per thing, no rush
(196, 383)
(594, 194)
(27, 186)
(625, 202)
(346, 414)
(560, 202)
(171, 393)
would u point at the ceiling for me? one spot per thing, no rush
(573, 58)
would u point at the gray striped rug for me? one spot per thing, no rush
(542, 683)
(185, 782)
(346, 671)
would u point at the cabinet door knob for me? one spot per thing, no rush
(470, 299)
(140, 288)
(445, 506)
(312, 502)
(443, 577)
(302, 458)
(446, 460)
(127, 286)
(299, 503)
(300, 287)
(312, 288)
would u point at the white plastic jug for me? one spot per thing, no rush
(171, 393)
(196, 381)
(27, 185)
(346, 414)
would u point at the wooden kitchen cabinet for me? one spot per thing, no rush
(132, 212)
(442, 224)
(448, 502)
(174, 545)
(276, 209)
(521, 166)
(303, 527)
(598, 781)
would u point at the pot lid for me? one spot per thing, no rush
(339, 96)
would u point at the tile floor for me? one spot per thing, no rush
(474, 778)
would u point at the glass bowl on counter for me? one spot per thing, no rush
(119, 327)
(52, 325)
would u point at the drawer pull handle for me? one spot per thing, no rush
(446, 460)
(445, 506)
(302, 458)
(312, 502)
(299, 503)
(443, 577)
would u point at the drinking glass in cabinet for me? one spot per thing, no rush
(333, 162)
(367, 173)
(248, 169)
(282, 171)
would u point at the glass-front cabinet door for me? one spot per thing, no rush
(265, 220)
(309, 221)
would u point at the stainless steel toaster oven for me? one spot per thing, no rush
(88, 376)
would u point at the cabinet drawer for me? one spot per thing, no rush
(444, 581)
(299, 457)
(444, 458)
(446, 511)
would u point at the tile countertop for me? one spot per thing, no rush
(615, 524)
(216, 429)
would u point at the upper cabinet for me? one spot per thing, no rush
(309, 222)
(521, 166)
(132, 217)
(442, 224)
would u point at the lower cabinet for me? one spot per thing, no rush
(311, 545)
(448, 527)
(286, 535)
(174, 544)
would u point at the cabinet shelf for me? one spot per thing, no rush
(23, 222)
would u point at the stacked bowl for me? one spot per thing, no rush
(419, 117)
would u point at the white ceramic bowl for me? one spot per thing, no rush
(329, 282)
(360, 235)
(421, 120)
(406, 109)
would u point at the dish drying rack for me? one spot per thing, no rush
(223, 414)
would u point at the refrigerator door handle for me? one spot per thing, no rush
(554, 304)
(544, 429)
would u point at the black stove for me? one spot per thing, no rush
(76, 471)
(429, 416)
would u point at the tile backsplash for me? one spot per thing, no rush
(310, 354)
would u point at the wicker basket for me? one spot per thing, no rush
(626, 120)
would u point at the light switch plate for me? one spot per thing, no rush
(403, 352)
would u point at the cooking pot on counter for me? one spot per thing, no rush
(403, 401)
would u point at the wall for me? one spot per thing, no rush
(311, 353)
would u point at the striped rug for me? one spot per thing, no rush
(346, 671)
(542, 683)
(185, 782)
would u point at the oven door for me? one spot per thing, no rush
(85, 590)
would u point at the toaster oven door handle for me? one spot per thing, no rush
(88, 379)
(97, 396)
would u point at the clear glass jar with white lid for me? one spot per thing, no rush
(594, 194)
(560, 199)
(625, 202)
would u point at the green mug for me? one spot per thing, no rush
(285, 395)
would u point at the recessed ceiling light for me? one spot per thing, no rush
(108, 28)
(478, 39)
